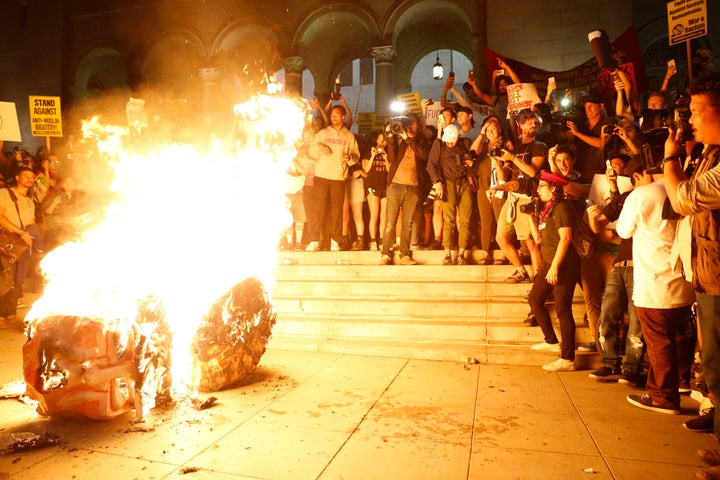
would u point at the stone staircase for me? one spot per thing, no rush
(345, 302)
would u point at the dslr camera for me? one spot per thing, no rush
(496, 152)
(397, 125)
(532, 207)
(609, 130)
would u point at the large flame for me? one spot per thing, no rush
(182, 227)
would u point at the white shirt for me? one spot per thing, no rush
(655, 284)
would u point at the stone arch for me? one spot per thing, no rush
(173, 60)
(245, 52)
(101, 69)
(313, 40)
(414, 35)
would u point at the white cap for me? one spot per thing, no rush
(450, 134)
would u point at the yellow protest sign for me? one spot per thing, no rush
(411, 101)
(45, 117)
(687, 19)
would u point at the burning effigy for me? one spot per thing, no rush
(165, 294)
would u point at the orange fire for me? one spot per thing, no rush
(182, 227)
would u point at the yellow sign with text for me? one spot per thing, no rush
(687, 19)
(45, 117)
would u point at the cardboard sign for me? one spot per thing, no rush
(9, 126)
(135, 113)
(365, 121)
(431, 114)
(521, 96)
(45, 116)
(687, 19)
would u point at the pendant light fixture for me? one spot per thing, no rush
(437, 68)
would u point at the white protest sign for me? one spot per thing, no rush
(431, 114)
(9, 126)
(600, 188)
(135, 112)
(521, 96)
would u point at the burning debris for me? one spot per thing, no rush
(19, 441)
(229, 343)
(82, 367)
(130, 313)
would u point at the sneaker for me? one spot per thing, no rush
(447, 260)
(357, 246)
(486, 260)
(605, 374)
(631, 379)
(702, 424)
(710, 456)
(646, 403)
(518, 276)
(334, 246)
(406, 260)
(500, 261)
(312, 247)
(546, 347)
(436, 245)
(530, 320)
(461, 260)
(588, 347)
(373, 246)
(385, 260)
(560, 365)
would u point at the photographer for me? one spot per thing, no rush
(526, 160)
(407, 162)
(491, 171)
(448, 164)
(558, 272)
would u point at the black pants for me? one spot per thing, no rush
(564, 289)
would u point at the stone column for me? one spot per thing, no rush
(294, 67)
(384, 90)
(479, 42)
(209, 78)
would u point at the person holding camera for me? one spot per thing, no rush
(527, 159)
(589, 152)
(407, 162)
(558, 272)
(448, 163)
(491, 170)
(376, 187)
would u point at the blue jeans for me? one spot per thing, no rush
(708, 317)
(405, 198)
(616, 301)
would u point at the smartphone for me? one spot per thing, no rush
(671, 63)
(609, 168)
(501, 71)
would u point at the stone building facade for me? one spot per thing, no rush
(212, 52)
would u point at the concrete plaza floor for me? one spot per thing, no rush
(330, 416)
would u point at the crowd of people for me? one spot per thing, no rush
(624, 204)
(37, 204)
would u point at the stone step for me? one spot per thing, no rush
(338, 302)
